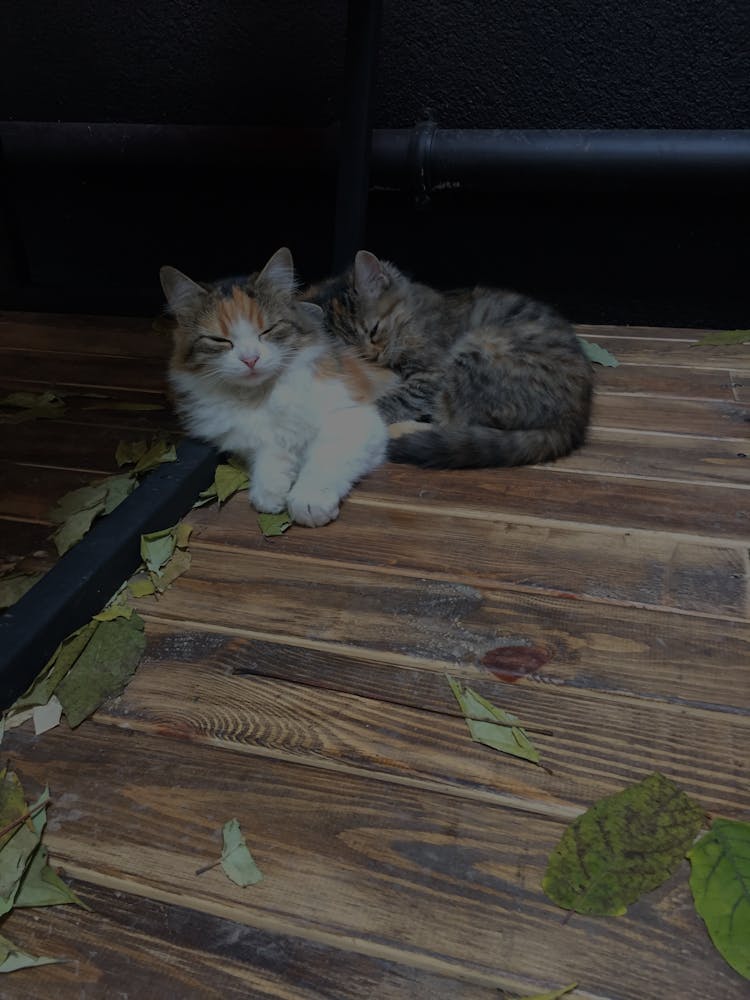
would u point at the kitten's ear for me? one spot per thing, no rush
(179, 290)
(279, 271)
(312, 309)
(370, 278)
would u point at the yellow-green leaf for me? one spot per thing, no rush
(42, 689)
(720, 882)
(42, 886)
(157, 548)
(118, 488)
(130, 452)
(113, 611)
(623, 846)
(274, 524)
(182, 537)
(552, 994)
(12, 957)
(159, 452)
(14, 586)
(725, 337)
(142, 586)
(492, 726)
(229, 480)
(89, 497)
(236, 859)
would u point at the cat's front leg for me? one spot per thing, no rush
(351, 443)
(272, 475)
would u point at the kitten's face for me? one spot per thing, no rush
(241, 332)
(381, 310)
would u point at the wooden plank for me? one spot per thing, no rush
(491, 551)
(152, 949)
(90, 372)
(712, 418)
(108, 336)
(592, 332)
(63, 444)
(348, 861)
(636, 351)
(740, 383)
(714, 511)
(585, 741)
(28, 492)
(659, 380)
(26, 545)
(660, 456)
(444, 626)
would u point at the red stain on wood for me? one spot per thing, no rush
(511, 663)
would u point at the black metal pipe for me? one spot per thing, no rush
(421, 160)
(362, 32)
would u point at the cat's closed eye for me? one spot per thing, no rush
(219, 342)
(270, 328)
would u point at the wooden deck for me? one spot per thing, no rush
(299, 684)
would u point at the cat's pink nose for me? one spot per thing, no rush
(251, 362)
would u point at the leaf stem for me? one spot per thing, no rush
(29, 814)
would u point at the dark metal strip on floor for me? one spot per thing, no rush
(86, 577)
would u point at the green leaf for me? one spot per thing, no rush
(118, 488)
(12, 957)
(725, 337)
(130, 452)
(103, 669)
(720, 882)
(66, 654)
(552, 995)
(113, 611)
(229, 480)
(598, 355)
(142, 586)
(18, 850)
(624, 845)
(182, 535)
(84, 498)
(159, 452)
(130, 407)
(157, 548)
(274, 524)
(492, 726)
(236, 859)
(31, 406)
(14, 586)
(42, 886)
(177, 565)
(12, 802)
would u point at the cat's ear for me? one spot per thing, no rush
(370, 278)
(312, 309)
(180, 291)
(279, 271)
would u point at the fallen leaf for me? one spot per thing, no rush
(274, 524)
(103, 669)
(47, 716)
(130, 407)
(142, 586)
(622, 846)
(492, 726)
(229, 480)
(182, 537)
(130, 452)
(31, 406)
(12, 802)
(42, 886)
(160, 451)
(725, 337)
(83, 498)
(157, 548)
(15, 719)
(598, 355)
(720, 882)
(12, 957)
(177, 565)
(13, 587)
(118, 488)
(19, 848)
(552, 995)
(236, 859)
(66, 654)
(113, 611)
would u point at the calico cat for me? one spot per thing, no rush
(501, 378)
(255, 372)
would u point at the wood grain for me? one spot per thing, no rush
(442, 625)
(107, 336)
(29, 491)
(586, 742)
(28, 370)
(672, 352)
(350, 862)
(492, 551)
(712, 418)
(155, 950)
(63, 444)
(660, 380)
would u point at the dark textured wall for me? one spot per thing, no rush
(661, 257)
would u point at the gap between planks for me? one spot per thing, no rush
(273, 923)
(391, 658)
(480, 582)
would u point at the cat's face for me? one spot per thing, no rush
(244, 332)
(381, 310)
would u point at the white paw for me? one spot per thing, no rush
(313, 509)
(267, 501)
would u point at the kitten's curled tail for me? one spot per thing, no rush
(476, 446)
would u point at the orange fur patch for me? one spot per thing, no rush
(364, 381)
(239, 306)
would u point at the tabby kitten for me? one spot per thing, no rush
(501, 378)
(255, 372)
